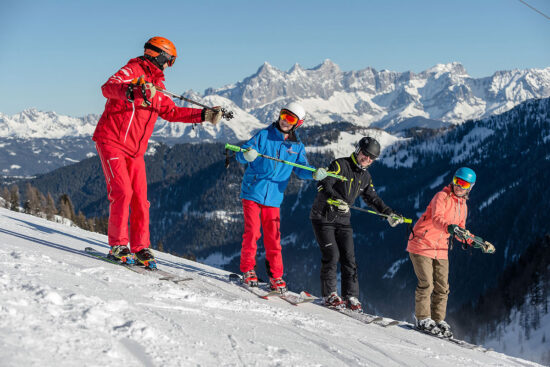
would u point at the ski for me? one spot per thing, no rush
(259, 291)
(386, 322)
(264, 292)
(160, 274)
(296, 299)
(359, 316)
(453, 340)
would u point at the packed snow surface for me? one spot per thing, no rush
(62, 307)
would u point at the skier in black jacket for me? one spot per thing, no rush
(332, 226)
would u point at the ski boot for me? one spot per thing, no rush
(277, 284)
(353, 304)
(334, 300)
(250, 278)
(146, 257)
(445, 329)
(122, 254)
(428, 326)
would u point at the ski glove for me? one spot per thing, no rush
(213, 115)
(488, 248)
(140, 91)
(250, 155)
(320, 174)
(342, 206)
(485, 246)
(461, 234)
(451, 228)
(394, 219)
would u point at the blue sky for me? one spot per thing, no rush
(57, 54)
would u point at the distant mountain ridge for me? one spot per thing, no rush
(441, 95)
(394, 101)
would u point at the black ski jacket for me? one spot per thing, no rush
(359, 183)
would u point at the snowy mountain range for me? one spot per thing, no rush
(62, 307)
(394, 101)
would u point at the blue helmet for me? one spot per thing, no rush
(467, 174)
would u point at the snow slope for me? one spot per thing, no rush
(60, 307)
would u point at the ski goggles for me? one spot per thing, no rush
(371, 156)
(289, 118)
(162, 56)
(462, 183)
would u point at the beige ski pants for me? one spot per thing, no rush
(432, 290)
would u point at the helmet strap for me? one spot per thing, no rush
(354, 159)
(154, 60)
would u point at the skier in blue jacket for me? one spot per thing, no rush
(263, 188)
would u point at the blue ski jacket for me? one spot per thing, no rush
(265, 180)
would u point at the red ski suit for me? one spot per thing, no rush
(121, 137)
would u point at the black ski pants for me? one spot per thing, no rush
(336, 243)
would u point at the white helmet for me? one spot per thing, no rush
(296, 109)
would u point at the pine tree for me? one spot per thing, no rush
(66, 208)
(80, 220)
(32, 202)
(6, 196)
(90, 224)
(101, 224)
(50, 209)
(14, 198)
(27, 207)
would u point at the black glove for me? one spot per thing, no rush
(140, 90)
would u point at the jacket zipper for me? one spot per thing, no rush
(130, 123)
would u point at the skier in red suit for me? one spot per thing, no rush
(121, 136)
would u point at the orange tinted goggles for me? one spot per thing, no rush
(461, 183)
(291, 119)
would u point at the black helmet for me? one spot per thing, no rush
(368, 146)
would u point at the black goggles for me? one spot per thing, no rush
(163, 55)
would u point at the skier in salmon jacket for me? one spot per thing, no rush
(121, 136)
(332, 225)
(263, 187)
(428, 247)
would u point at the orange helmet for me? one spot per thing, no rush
(161, 50)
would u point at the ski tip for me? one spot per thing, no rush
(234, 276)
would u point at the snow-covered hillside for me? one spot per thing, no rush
(61, 307)
(525, 333)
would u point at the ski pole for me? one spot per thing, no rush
(239, 149)
(228, 115)
(336, 203)
(465, 235)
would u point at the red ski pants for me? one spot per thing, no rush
(127, 193)
(268, 218)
